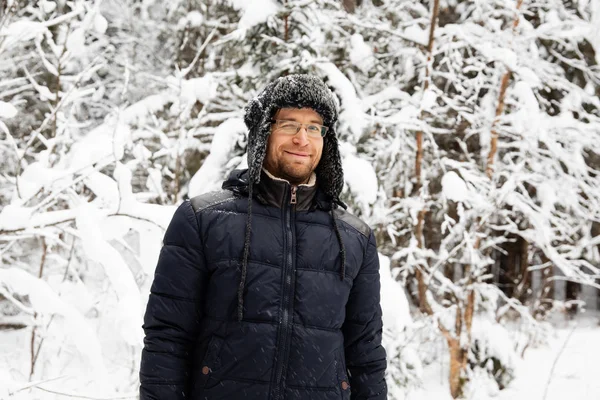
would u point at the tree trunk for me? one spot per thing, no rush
(432, 25)
(422, 287)
(458, 360)
(494, 140)
(524, 276)
(514, 279)
(571, 296)
(500, 107)
(349, 5)
(546, 295)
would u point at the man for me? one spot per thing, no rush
(267, 289)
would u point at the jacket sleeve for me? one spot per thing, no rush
(174, 310)
(365, 356)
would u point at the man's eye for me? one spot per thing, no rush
(288, 124)
(314, 128)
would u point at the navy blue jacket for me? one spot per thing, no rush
(306, 333)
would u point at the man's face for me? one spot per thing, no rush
(294, 157)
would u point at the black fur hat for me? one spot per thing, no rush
(295, 91)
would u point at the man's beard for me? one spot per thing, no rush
(294, 175)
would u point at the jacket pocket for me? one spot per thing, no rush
(210, 362)
(342, 375)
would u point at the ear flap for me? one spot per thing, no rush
(329, 171)
(255, 109)
(258, 132)
(253, 113)
(257, 148)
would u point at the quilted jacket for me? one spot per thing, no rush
(309, 331)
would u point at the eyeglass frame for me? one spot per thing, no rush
(323, 131)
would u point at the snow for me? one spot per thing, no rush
(529, 110)
(198, 89)
(194, 19)
(150, 243)
(105, 188)
(547, 195)
(48, 6)
(428, 100)
(361, 54)
(154, 181)
(38, 176)
(360, 177)
(389, 93)
(417, 34)
(45, 302)
(105, 142)
(454, 188)
(570, 102)
(352, 115)
(593, 35)
(129, 206)
(20, 31)
(254, 12)
(212, 172)
(123, 175)
(528, 76)
(7, 110)
(139, 112)
(47, 218)
(404, 362)
(406, 118)
(494, 341)
(575, 369)
(76, 42)
(396, 312)
(502, 55)
(100, 24)
(574, 374)
(414, 206)
(564, 30)
(129, 310)
(13, 217)
(43, 91)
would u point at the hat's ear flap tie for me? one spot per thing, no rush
(339, 237)
(246, 255)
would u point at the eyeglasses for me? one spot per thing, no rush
(293, 127)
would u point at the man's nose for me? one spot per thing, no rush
(301, 137)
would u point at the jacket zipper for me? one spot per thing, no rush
(288, 293)
(293, 199)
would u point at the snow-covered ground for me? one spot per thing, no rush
(569, 367)
(566, 368)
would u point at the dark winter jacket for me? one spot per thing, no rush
(309, 331)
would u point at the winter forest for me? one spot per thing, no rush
(470, 136)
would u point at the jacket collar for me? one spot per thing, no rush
(275, 192)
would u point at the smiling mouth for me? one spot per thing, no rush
(297, 154)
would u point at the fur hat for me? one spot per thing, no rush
(295, 91)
